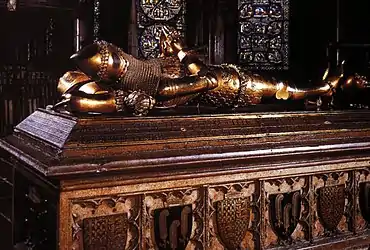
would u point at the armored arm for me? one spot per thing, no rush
(172, 44)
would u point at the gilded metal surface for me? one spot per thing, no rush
(75, 80)
(105, 232)
(138, 102)
(97, 103)
(253, 87)
(171, 44)
(356, 81)
(330, 205)
(233, 218)
(226, 92)
(166, 84)
(102, 61)
(170, 88)
(81, 94)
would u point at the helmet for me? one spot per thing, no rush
(102, 61)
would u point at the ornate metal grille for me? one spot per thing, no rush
(152, 15)
(263, 34)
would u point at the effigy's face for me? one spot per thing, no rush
(102, 61)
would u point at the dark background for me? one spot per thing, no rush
(313, 27)
(28, 75)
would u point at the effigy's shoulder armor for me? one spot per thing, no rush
(105, 62)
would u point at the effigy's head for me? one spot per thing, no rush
(102, 61)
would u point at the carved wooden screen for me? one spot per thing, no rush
(3, 4)
(152, 15)
(33, 57)
(263, 34)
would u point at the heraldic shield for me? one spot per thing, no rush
(172, 227)
(284, 213)
(233, 218)
(364, 198)
(105, 232)
(330, 205)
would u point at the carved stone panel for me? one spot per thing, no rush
(285, 212)
(106, 223)
(332, 204)
(233, 216)
(362, 210)
(173, 219)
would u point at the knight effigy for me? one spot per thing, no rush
(109, 80)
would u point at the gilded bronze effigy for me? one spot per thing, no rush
(109, 81)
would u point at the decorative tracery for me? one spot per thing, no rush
(263, 34)
(152, 16)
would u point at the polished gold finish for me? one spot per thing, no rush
(102, 61)
(170, 88)
(170, 42)
(84, 95)
(100, 103)
(72, 80)
(163, 83)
